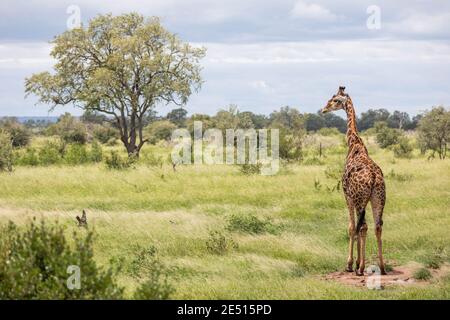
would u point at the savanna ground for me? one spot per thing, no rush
(299, 237)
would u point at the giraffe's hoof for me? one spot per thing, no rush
(349, 269)
(383, 272)
(359, 273)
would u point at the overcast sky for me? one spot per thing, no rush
(262, 54)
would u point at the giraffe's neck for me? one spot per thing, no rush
(353, 138)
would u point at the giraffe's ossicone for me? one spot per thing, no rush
(362, 182)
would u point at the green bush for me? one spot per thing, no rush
(115, 161)
(142, 261)
(27, 158)
(19, 134)
(35, 261)
(76, 154)
(422, 274)
(104, 133)
(250, 224)
(156, 286)
(51, 153)
(403, 149)
(386, 136)
(146, 265)
(6, 152)
(159, 130)
(96, 153)
(434, 131)
(290, 144)
(69, 129)
(219, 243)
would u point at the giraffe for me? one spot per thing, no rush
(362, 182)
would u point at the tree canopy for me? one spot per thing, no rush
(121, 66)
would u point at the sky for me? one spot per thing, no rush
(261, 55)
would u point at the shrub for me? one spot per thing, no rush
(115, 161)
(104, 133)
(160, 130)
(96, 153)
(403, 149)
(27, 158)
(6, 152)
(69, 129)
(386, 136)
(76, 154)
(19, 134)
(34, 264)
(51, 153)
(156, 285)
(434, 131)
(422, 274)
(250, 224)
(298, 271)
(290, 145)
(219, 243)
(142, 261)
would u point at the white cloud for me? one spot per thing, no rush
(259, 84)
(422, 24)
(289, 53)
(23, 55)
(312, 11)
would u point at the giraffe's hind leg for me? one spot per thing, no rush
(351, 235)
(377, 201)
(361, 230)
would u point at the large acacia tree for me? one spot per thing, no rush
(121, 66)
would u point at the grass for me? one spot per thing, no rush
(175, 213)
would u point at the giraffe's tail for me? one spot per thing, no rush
(361, 219)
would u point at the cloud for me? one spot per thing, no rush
(25, 55)
(422, 24)
(312, 11)
(259, 84)
(262, 54)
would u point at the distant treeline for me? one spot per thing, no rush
(286, 116)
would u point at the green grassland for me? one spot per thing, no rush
(298, 237)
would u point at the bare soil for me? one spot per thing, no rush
(400, 275)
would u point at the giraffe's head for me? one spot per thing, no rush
(337, 101)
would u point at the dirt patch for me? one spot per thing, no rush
(400, 275)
